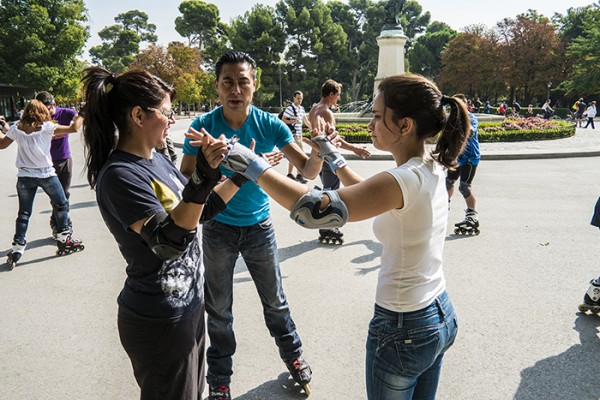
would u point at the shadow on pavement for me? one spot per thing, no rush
(569, 375)
(283, 387)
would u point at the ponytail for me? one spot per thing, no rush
(454, 134)
(416, 97)
(108, 101)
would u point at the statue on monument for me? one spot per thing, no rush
(392, 11)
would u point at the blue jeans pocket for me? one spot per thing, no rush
(418, 351)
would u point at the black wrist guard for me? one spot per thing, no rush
(238, 179)
(202, 181)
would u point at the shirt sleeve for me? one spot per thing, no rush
(409, 182)
(127, 196)
(289, 112)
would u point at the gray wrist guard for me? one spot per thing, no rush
(243, 160)
(330, 153)
(307, 211)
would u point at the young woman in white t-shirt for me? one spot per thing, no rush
(33, 135)
(414, 322)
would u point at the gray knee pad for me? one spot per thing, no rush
(465, 189)
(450, 183)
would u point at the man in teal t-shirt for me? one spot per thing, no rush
(245, 226)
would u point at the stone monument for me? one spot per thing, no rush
(391, 43)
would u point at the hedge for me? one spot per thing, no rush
(509, 130)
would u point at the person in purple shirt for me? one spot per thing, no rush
(59, 150)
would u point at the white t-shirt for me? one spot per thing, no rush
(411, 274)
(299, 113)
(33, 156)
(590, 111)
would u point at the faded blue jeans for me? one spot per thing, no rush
(221, 245)
(26, 190)
(405, 351)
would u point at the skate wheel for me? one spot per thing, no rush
(12, 265)
(306, 389)
(582, 307)
(321, 240)
(456, 231)
(477, 232)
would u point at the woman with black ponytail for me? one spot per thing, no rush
(153, 212)
(414, 322)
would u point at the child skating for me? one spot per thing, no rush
(468, 161)
(33, 135)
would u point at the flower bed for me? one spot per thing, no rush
(509, 130)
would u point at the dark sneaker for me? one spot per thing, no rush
(220, 392)
(300, 178)
(291, 177)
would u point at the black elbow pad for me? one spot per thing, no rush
(167, 240)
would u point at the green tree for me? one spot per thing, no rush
(121, 42)
(40, 42)
(263, 37)
(584, 76)
(198, 23)
(425, 57)
(315, 45)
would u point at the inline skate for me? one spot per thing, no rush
(300, 372)
(591, 299)
(14, 254)
(220, 392)
(67, 244)
(469, 226)
(331, 236)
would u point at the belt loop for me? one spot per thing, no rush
(400, 320)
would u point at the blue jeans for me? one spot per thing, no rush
(405, 350)
(26, 190)
(221, 245)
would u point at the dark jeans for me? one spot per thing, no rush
(590, 121)
(329, 179)
(167, 358)
(26, 190)
(64, 172)
(221, 245)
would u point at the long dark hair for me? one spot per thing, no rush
(416, 97)
(108, 101)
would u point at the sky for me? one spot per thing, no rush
(456, 13)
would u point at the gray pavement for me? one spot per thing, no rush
(516, 288)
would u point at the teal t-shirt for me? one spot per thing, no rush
(250, 204)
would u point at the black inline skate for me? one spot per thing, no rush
(67, 244)
(220, 392)
(331, 236)
(591, 300)
(14, 254)
(470, 225)
(300, 372)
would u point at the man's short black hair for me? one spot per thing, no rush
(235, 57)
(45, 97)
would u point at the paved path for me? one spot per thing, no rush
(516, 288)
(585, 143)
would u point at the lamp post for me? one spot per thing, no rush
(280, 94)
(549, 86)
